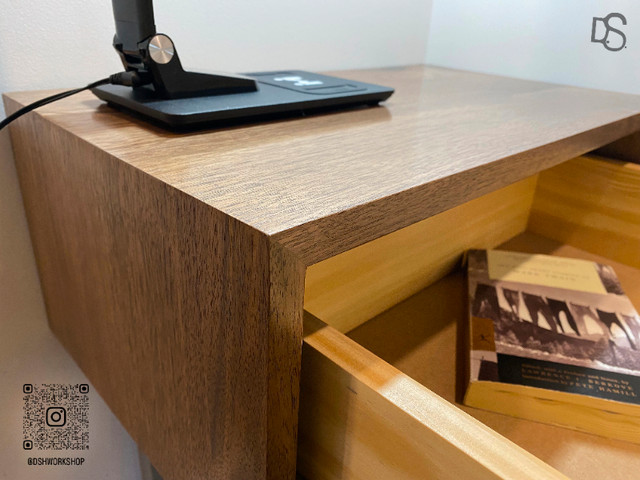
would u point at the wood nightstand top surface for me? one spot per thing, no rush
(323, 184)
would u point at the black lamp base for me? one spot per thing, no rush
(285, 93)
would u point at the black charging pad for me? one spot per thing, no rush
(279, 93)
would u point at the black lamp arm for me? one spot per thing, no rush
(154, 57)
(134, 23)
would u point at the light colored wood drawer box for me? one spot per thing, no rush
(380, 366)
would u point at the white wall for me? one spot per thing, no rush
(546, 40)
(67, 43)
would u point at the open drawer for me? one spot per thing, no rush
(382, 358)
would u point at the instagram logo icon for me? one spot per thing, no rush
(56, 417)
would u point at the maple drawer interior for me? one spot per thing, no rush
(380, 357)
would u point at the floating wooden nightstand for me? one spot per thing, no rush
(173, 269)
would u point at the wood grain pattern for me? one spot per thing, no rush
(350, 288)
(322, 185)
(592, 203)
(285, 353)
(172, 264)
(183, 318)
(418, 337)
(361, 418)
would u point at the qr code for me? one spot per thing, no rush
(56, 417)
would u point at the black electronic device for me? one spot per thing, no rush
(165, 92)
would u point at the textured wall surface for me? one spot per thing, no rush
(65, 44)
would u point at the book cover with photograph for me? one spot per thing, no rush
(555, 340)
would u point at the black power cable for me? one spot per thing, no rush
(131, 79)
